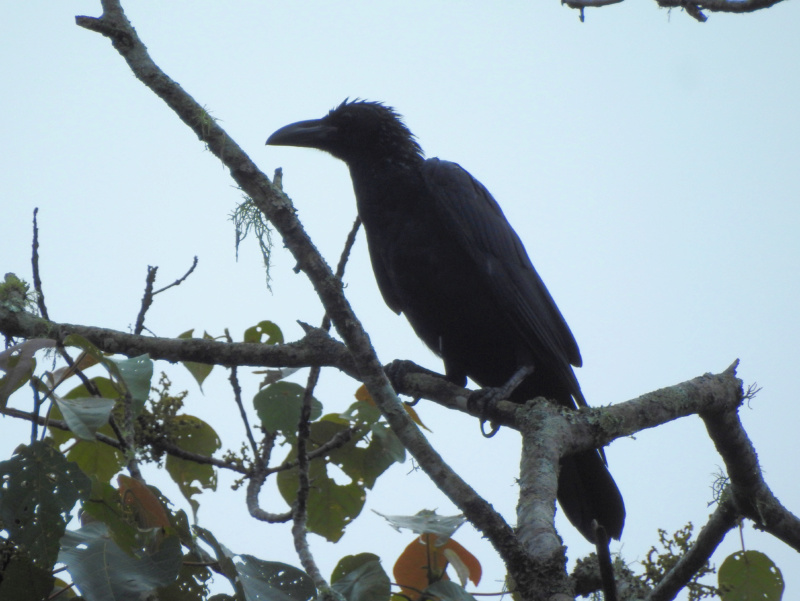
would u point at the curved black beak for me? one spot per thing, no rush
(308, 134)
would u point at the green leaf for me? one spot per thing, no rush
(383, 450)
(279, 405)
(192, 583)
(365, 579)
(264, 329)
(85, 415)
(199, 371)
(97, 459)
(447, 590)
(18, 363)
(107, 390)
(349, 563)
(750, 575)
(362, 412)
(38, 489)
(104, 386)
(193, 434)
(224, 559)
(102, 570)
(23, 580)
(127, 375)
(331, 506)
(137, 372)
(362, 464)
(273, 581)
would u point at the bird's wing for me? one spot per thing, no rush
(382, 276)
(471, 213)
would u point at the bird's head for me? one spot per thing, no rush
(356, 130)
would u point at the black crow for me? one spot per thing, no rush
(444, 254)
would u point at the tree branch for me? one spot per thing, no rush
(258, 476)
(233, 378)
(315, 348)
(694, 9)
(538, 483)
(147, 299)
(723, 6)
(37, 281)
(751, 494)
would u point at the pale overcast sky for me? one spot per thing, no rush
(648, 162)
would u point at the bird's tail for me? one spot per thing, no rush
(587, 492)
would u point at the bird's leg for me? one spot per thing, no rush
(483, 401)
(514, 381)
(400, 368)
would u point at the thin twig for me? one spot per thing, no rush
(55, 423)
(172, 449)
(300, 508)
(180, 280)
(167, 447)
(90, 386)
(147, 299)
(343, 258)
(257, 477)
(149, 293)
(339, 439)
(237, 396)
(37, 281)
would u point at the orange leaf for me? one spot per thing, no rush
(363, 395)
(468, 559)
(423, 562)
(415, 418)
(418, 566)
(146, 507)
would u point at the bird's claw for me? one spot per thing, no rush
(483, 402)
(495, 429)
